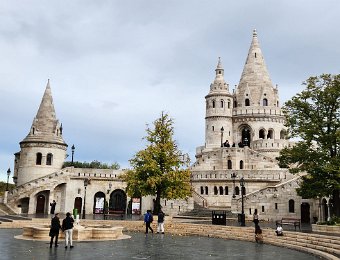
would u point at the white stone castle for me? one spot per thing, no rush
(244, 133)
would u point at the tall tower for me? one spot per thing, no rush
(258, 120)
(43, 151)
(218, 119)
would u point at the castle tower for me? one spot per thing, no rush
(218, 119)
(43, 150)
(258, 120)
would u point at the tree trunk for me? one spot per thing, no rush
(157, 206)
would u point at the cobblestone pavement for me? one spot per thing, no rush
(141, 246)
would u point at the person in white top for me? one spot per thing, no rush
(279, 230)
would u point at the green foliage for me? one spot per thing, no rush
(3, 186)
(313, 116)
(158, 169)
(93, 165)
(334, 221)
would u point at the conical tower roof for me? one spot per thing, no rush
(255, 83)
(45, 126)
(219, 86)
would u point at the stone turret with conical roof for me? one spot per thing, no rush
(218, 111)
(257, 118)
(43, 150)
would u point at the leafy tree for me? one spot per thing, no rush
(3, 186)
(93, 165)
(313, 116)
(158, 169)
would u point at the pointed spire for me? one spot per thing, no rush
(45, 126)
(219, 71)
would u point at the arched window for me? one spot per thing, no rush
(49, 159)
(202, 190)
(221, 190)
(235, 103)
(213, 103)
(291, 206)
(222, 103)
(241, 165)
(228, 104)
(270, 134)
(265, 102)
(215, 190)
(261, 134)
(283, 134)
(230, 164)
(38, 159)
(237, 190)
(226, 190)
(247, 102)
(206, 190)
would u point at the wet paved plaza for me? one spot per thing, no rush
(141, 246)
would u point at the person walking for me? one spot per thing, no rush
(53, 204)
(148, 218)
(160, 222)
(54, 230)
(68, 229)
(256, 218)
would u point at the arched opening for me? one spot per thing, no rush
(228, 104)
(226, 192)
(237, 190)
(270, 134)
(265, 102)
(305, 212)
(222, 103)
(246, 136)
(49, 159)
(99, 203)
(213, 103)
(78, 202)
(38, 159)
(221, 190)
(215, 190)
(282, 134)
(262, 134)
(202, 190)
(40, 209)
(206, 190)
(325, 209)
(244, 190)
(230, 164)
(291, 206)
(241, 165)
(118, 201)
(247, 102)
(24, 204)
(235, 103)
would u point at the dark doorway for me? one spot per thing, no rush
(305, 213)
(24, 205)
(118, 201)
(246, 136)
(325, 209)
(40, 204)
(77, 204)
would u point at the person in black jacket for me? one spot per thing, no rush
(68, 229)
(54, 230)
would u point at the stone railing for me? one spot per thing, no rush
(239, 111)
(200, 200)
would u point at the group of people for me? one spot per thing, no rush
(66, 227)
(258, 230)
(148, 219)
(227, 144)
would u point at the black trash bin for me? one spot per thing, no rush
(219, 217)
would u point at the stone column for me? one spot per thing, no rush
(329, 209)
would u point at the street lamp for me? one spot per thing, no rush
(222, 130)
(72, 148)
(243, 219)
(8, 174)
(86, 182)
(233, 176)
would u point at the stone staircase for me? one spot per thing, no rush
(5, 210)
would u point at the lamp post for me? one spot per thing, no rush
(8, 174)
(86, 182)
(243, 219)
(233, 176)
(72, 148)
(222, 130)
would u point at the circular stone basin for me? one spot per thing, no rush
(80, 233)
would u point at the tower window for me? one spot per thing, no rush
(213, 128)
(235, 103)
(237, 190)
(247, 102)
(221, 190)
(255, 54)
(230, 165)
(213, 104)
(291, 206)
(226, 190)
(219, 72)
(241, 165)
(261, 134)
(49, 159)
(228, 104)
(202, 190)
(222, 103)
(38, 159)
(265, 102)
(206, 190)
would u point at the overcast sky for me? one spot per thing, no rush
(115, 66)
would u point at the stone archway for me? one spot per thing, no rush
(41, 201)
(99, 203)
(246, 136)
(78, 202)
(118, 201)
(305, 212)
